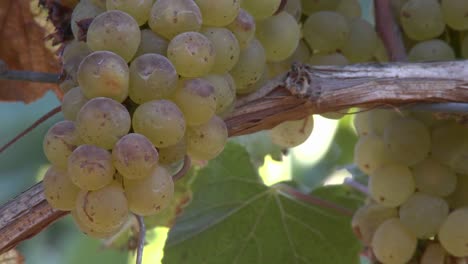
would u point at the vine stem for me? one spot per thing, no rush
(141, 238)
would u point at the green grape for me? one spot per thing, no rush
(59, 191)
(379, 119)
(361, 43)
(368, 218)
(161, 121)
(455, 13)
(453, 233)
(423, 214)
(396, 6)
(99, 3)
(67, 84)
(102, 122)
(226, 48)
(422, 19)
(261, 9)
(408, 140)
(380, 53)
(73, 53)
(301, 54)
(169, 18)
(139, 10)
(206, 141)
(279, 36)
(292, 133)
(362, 123)
(224, 90)
(84, 10)
(104, 73)
(309, 7)
(349, 8)
(59, 142)
(464, 47)
(250, 66)
(328, 59)
(459, 197)
(196, 98)
(326, 31)
(446, 140)
(254, 86)
(391, 185)
(152, 76)
(243, 27)
(134, 156)
(370, 153)
(90, 167)
(434, 253)
(393, 242)
(192, 54)
(85, 227)
(151, 43)
(294, 8)
(72, 102)
(334, 115)
(105, 209)
(173, 154)
(431, 50)
(151, 194)
(218, 13)
(114, 31)
(434, 178)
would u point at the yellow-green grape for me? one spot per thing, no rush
(169, 18)
(161, 121)
(72, 102)
(379, 119)
(224, 90)
(114, 31)
(454, 12)
(368, 218)
(453, 233)
(139, 10)
(370, 153)
(59, 191)
(218, 13)
(85, 227)
(326, 31)
(422, 19)
(243, 28)
(328, 59)
(294, 8)
(423, 214)
(83, 10)
(226, 48)
(309, 7)
(434, 178)
(134, 156)
(301, 54)
(464, 47)
(393, 242)
(458, 162)
(90, 167)
(292, 133)
(172, 154)
(362, 123)
(104, 210)
(380, 53)
(73, 53)
(431, 50)
(408, 140)
(192, 54)
(99, 3)
(264, 78)
(361, 43)
(59, 142)
(459, 197)
(434, 253)
(104, 73)
(151, 43)
(68, 84)
(391, 185)
(152, 76)
(102, 122)
(446, 140)
(196, 99)
(279, 36)
(206, 141)
(151, 194)
(349, 8)
(250, 66)
(261, 9)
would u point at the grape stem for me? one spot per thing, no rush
(42, 77)
(141, 238)
(181, 173)
(357, 186)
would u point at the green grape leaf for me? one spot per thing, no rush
(342, 195)
(259, 145)
(234, 218)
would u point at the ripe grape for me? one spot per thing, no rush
(152, 76)
(294, 8)
(446, 140)
(139, 10)
(326, 31)
(192, 54)
(82, 11)
(434, 254)
(292, 133)
(391, 185)
(72, 102)
(73, 53)
(393, 242)
(224, 90)
(59, 191)
(349, 8)
(431, 50)
(206, 141)
(422, 19)
(458, 162)
(250, 66)
(173, 154)
(104, 73)
(459, 197)
(434, 178)
(85, 227)
(102, 122)
(67, 84)
(151, 194)
(380, 118)
(328, 59)
(361, 43)
(310, 7)
(243, 27)
(370, 153)
(151, 43)
(301, 54)
(453, 233)
(169, 18)
(218, 13)
(90, 167)
(362, 123)
(381, 53)
(196, 98)
(279, 36)
(368, 218)
(423, 214)
(59, 142)
(161, 121)
(261, 9)
(134, 156)
(454, 12)
(226, 48)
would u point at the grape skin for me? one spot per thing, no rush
(368, 218)
(459, 197)
(226, 48)
(292, 133)
(361, 42)
(206, 141)
(83, 10)
(326, 31)
(328, 59)
(59, 191)
(310, 7)
(72, 102)
(431, 50)
(139, 10)
(453, 233)
(380, 118)
(85, 227)
(261, 9)
(244, 28)
(250, 66)
(434, 254)
(173, 154)
(151, 43)
(224, 90)
(434, 178)
(370, 153)
(454, 12)
(422, 19)
(59, 142)
(294, 8)
(218, 13)
(349, 8)
(446, 140)
(391, 185)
